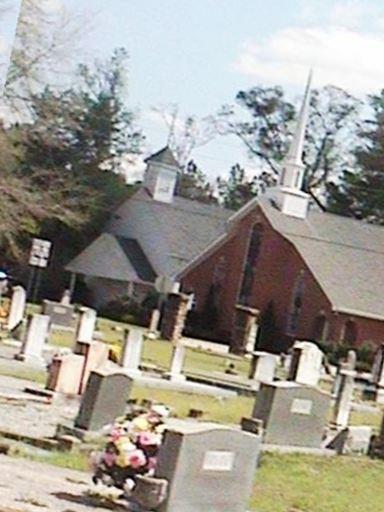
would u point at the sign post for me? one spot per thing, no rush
(38, 260)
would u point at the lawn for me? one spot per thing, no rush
(221, 410)
(302, 483)
(288, 483)
(283, 483)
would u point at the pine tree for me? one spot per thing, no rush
(360, 193)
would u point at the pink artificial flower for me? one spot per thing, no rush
(148, 439)
(152, 463)
(116, 433)
(136, 459)
(109, 459)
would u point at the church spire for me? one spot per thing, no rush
(294, 201)
(293, 172)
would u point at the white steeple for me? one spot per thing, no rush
(295, 201)
(293, 172)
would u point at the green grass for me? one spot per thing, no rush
(59, 338)
(284, 483)
(76, 460)
(22, 372)
(301, 483)
(221, 410)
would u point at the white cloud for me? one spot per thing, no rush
(348, 13)
(340, 56)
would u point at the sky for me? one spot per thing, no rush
(199, 53)
(8, 22)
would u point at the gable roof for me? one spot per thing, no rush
(164, 156)
(167, 235)
(114, 258)
(170, 234)
(345, 255)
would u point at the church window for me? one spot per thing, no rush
(249, 269)
(320, 328)
(296, 305)
(349, 335)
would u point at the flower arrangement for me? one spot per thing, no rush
(131, 449)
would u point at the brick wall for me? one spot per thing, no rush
(277, 269)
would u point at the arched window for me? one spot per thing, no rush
(249, 269)
(350, 332)
(296, 305)
(320, 328)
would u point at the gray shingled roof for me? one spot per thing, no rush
(346, 256)
(164, 156)
(115, 258)
(169, 235)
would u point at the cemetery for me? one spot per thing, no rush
(191, 282)
(169, 423)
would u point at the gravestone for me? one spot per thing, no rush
(177, 363)
(343, 402)
(245, 327)
(35, 337)
(354, 440)
(292, 414)
(263, 366)
(95, 354)
(66, 297)
(61, 314)
(65, 373)
(306, 363)
(131, 354)
(377, 444)
(378, 374)
(154, 323)
(86, 325)
(17, 308)
(174, 316)
(209, 467)
(348, 365)
(104, 400)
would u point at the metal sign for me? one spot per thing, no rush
(40, 252)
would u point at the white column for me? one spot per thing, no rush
(178, 357)
(35, 338)
(154, 324)
(132, 350)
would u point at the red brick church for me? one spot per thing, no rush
(319, 276)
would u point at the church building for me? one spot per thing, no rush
(319, 276)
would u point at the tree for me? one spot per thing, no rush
(193, 184)
(237, 190)
(21, 206)
(45, 44)
(65, 155)
(268, 130)
(186, 134)
(360, 193)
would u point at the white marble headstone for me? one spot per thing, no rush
(17, 309)
(133, 347)
(35, 338)
(306, 363)
(86, 325)
(264, 366)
